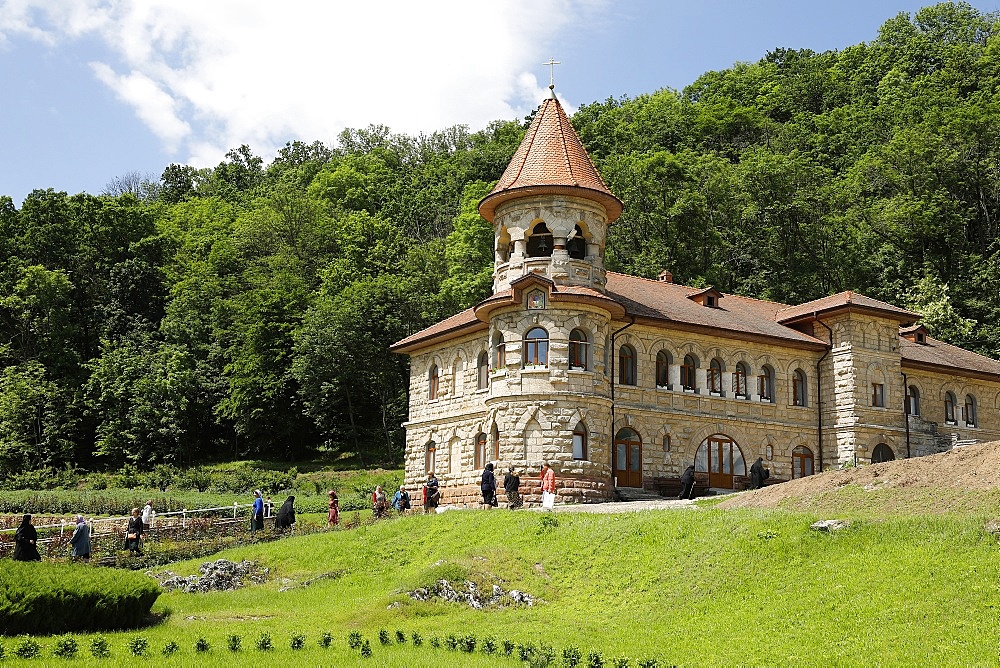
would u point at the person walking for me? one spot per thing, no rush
(26, 541)
(432, 493)
(488, 486)
(133, 534)
(333, 510)
(687, 483)
(380, 507)
(80, 541)
(512, 485)
(758, 474)
(147, 516)
(286, 515)
(548, 477)
(401, 500)
(257, 512)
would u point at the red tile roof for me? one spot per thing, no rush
(670, 302)
(939, 353)
(551, 159)
(846, 300)
(462, 322)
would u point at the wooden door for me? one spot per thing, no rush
(628, 458)
(724, 461)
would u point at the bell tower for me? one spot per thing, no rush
(551, 209)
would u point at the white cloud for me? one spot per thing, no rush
(208, 75)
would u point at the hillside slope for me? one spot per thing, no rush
(965, 480)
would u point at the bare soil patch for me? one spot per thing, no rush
(963, 479)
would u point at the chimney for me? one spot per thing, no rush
(666, 277)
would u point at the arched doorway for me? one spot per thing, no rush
(882, 453)
(720, 457)
(628, 458)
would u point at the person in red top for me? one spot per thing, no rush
(548, 486)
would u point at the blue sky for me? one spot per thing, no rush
(95, 89)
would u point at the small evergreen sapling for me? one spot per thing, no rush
(326, 640)
(595, 660)
(400, 637)
(366, 649)
(435, 642)
(201, 645)
(571, 657)
(416, 639)
(298, 641)
(66, 647)
(489, 645)
(138, 646)
(383, 637)
(99, 648)
(234, 642)
(170, 648)
(28, 648)
(264, 643)
(354, 640)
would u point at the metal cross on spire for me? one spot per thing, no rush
(552, 72)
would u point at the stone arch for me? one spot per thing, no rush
(528, 414)
(632, 340)
(742, 355)
(692, 348)
(728, 428)
(760, 360)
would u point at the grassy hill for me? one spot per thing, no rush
(692, 587)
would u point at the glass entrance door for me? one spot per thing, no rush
(628, 458)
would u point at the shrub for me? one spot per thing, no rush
(525, 651)
(489, 645)
(264, 643)
(66, 647)
(621, 662)
(99, 648)
(435, 642)
(47, 598)
(400, 637)
(467, 643)
(451, 642)
(649, 663)
(571, 656)
(28, 648)
(547, 522)
(326, 640)
(508, 647)
(417, 640)
(234, 642)
(201, 645)
(354, 640)
(171, 648)
(595, 660)
(298, 641)
(366, 649)
(383, 637)
(138, 645)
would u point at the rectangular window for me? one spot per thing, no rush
(739, 383)
(764, 388)
(687, 376)
(578, 448)
(878, 395)
(714, 380)
(949, 411)
(798, 398)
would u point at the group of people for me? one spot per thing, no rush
(26, 539)
(512, 487)
(263, 508)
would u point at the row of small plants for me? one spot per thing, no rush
(67, 647)
(539, 655)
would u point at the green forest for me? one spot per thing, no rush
(245, 311)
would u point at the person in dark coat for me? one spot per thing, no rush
(512, 486)
(488, 486)
(758, 474)
(432, 493)
(80, 540)
(687, 483)
(286, 515)
(133, 533)
(26, 541)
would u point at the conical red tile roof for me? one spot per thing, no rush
(551, 160)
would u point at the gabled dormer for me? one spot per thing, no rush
(915, 333)
(709, 297)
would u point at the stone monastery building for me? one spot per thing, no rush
(621, 382)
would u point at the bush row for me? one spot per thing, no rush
(45, 598)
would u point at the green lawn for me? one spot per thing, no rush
(706, 587)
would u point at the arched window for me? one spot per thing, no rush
(740, 376)
(458, 376)
(663, 362)
(626, 365)
(765, 384)
(430, 457)
(912, 400)
(579, 350)
(576, 245)
(882, 453)
(580, 441)
(540, 241)
(495, 439)
(715, 376)
(499, 351)
(480, 456)
(483, 371)
(949, 408)
(433, 382)
(802, 462)
(800, 393)
(689, 380)
(536, 347)
(970, 411)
